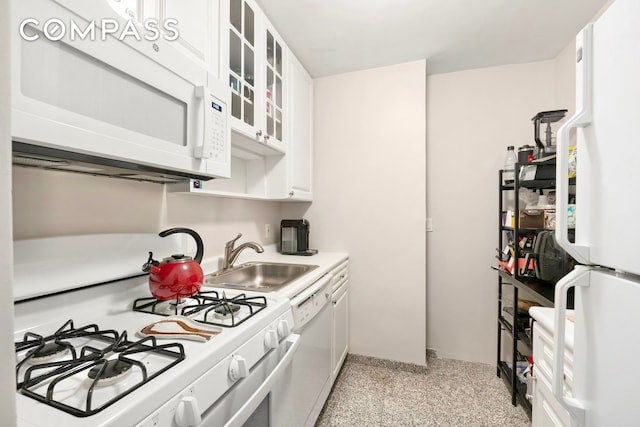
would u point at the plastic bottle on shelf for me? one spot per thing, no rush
(510, 161)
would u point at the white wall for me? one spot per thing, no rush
(49, 203)
(369, 200)
(565, 78)
(7, 362)
(472, 117)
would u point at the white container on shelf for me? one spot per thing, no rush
(509, 165)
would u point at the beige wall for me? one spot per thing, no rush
(565, 79)
(472, 117)
(58, 203)
(369, 200)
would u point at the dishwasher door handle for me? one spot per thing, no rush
(309, 292)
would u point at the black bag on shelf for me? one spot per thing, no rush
(552, 262)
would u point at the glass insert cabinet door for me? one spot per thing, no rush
(273, 91)
(242, 61)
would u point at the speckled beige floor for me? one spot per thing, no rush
(447, 393)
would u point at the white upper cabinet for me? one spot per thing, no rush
(197, 25)
(240, 54)
(274, 70)
(254, 56)
(271, 111)
(300, 151)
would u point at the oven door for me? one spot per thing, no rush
(113, 96)
(249, 402)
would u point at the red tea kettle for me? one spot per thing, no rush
(177, 276)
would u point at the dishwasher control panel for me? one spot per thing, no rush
(310, 301)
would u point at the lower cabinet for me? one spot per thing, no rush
(340, 324)
(547, 411)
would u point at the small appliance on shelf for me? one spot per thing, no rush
(294, 237)
(547, 148)
(539, 163)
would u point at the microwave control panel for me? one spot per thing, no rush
(218, 122)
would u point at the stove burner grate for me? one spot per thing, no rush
(227, 310)
(210, 305)
(40, 349)
(172, 308)
(46, 381)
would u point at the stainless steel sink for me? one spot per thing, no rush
(258, 276)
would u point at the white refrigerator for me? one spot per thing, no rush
(606, 342)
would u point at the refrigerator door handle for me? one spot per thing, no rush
(582, 118)
(578, 277)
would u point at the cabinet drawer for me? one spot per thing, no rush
(543, 358)
(340, 276)
(547, 411)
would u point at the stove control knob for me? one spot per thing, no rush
(271, 339)
(284, 330)
(188, 412)
(238, 368)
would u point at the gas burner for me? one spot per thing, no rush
(110, 372)
(206, 307)
(58, 349)
(174, 307)
(92, 379)
(47, 352)
(226, 310)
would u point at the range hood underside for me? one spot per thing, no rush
(34, 156)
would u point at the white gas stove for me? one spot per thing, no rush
(109, 355)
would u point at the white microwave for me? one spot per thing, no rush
(90, 96)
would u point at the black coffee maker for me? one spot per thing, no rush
(294, 237)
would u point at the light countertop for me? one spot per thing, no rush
(545, 317)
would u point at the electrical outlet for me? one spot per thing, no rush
(267, 231)
(429, 224)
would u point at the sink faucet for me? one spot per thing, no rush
(231, 254)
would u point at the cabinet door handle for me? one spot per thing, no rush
(258, 134)
(534, 384)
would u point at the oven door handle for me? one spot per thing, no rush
(292, 342)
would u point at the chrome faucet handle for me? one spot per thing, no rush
(231, 243)
(229, 255)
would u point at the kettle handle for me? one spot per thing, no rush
(196, 236)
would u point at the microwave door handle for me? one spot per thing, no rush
(203, 151)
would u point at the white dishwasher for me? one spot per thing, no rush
(306, 384)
